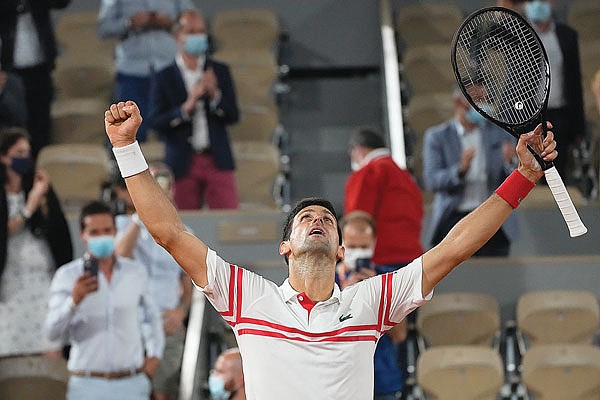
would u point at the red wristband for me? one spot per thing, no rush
(515, 188)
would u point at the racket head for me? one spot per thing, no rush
(501, 67)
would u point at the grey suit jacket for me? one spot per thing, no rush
(442, 151)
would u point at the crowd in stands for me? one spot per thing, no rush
(56, 305)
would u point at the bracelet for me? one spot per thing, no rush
(515, 188)
(130, 159)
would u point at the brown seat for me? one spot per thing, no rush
(93, 81)
(583, 15)
(245, 29)
(558, 316)
(562, 372)
(419, 24)
(78, 120)
(257, 168)
(459, 318)
(256, 123)
(33, 378)
(427, 69)
(460, 372)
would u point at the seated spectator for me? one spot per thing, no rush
(226, 380)
(358, 232)
(34, 241)
(170, 287)
(101, 305)
(13, 108)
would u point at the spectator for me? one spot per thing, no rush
(29, 49)
(382, 189)
(145, 46)
(226, 380)
(596, 89)
(565, 103)
(464, 159)
(99, 311)
(516, 5)
(13, 108)
(170, 287)
(307, 339)
(34, 241)
(193, 100)
(358, 231)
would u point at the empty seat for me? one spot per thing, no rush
(257, 168)
(459, 318)
(78, 120)
(84, 81)
(76, 33)
(460, 372)
(33, 378)
(254, 84)
(256, 123)
(562, 372)
(154, 150)
(245, 29)
(428, 69)
(419, 24)
(428, 110)
(558, 316)
(583, 15)
(77, 171)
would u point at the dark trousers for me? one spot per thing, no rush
(39, 92)
(497, 246)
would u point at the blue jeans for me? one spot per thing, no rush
(136, 88)
(136, 387)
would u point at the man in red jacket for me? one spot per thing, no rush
(387, 192)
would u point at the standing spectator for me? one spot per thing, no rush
(170, 287)
(358, 231)
(565, 104)
(100, 311)
(464, 159)
(226, 380)
(193, 100)
(29, 49)
(13, 107)
(382, 189)
(146, 45)
(34, 241)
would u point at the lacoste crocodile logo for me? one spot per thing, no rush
(345, 317)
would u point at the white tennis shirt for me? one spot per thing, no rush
(294, 349)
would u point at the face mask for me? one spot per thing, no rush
(196, 44)
(101, 246)
(352, 255)
(216, 385)
(354, 165)
(474, 117)
(538, 11)
(21, 165)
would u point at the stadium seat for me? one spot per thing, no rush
(257, 168)
(460, 372)
(459, 318)
(427, 69)
(421, 24)
(77, 171)
(33, 378)
(425, 111)
(154, 150)
(78, 120)
(245, 29)
(562, 372)
(92, 81)
(256, 123)
(558, 316)
(583, 15)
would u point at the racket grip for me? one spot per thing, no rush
(567, 209)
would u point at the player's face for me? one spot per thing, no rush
(315, 230)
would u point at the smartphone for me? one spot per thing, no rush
(363, 263)
(90, 264)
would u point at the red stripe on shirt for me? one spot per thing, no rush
(381, 304)
(229, 312)
(258, 332)
(238, 312)
(388, 296)
(289, 329)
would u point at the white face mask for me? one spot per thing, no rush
(356, 253)
(354, 165)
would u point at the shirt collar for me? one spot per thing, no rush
(289, 294)
(373, 154)
(181, 64)
(460, 130)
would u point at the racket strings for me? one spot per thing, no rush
(502, 66)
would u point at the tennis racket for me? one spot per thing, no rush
(502, 69)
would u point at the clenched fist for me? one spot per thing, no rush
(122, 121)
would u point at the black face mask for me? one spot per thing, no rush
(21, 165)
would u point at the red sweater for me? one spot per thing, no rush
(392, 197)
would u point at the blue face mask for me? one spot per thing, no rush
(196, 44)
(101, 246)
(538, 11)
(474, 117)
(21, 165)
(216, 385)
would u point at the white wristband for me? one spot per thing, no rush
(130, 159)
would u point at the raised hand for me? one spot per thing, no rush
(545, 147)
(84, 285)
(121, 122)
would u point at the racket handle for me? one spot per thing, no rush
(569, 213)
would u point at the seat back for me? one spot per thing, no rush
(33, 378)
(257, 167)
(419, 24)
(584, 15)
(460, 372)
(256, 123)
(562, 372)
(77, 171)
(427, 69)
(245, 29)
(459, 318)
(558, 316)
(78, 121)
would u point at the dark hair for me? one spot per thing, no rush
(10, 136)
(367, 138)
(358, 216)
(92, 208)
